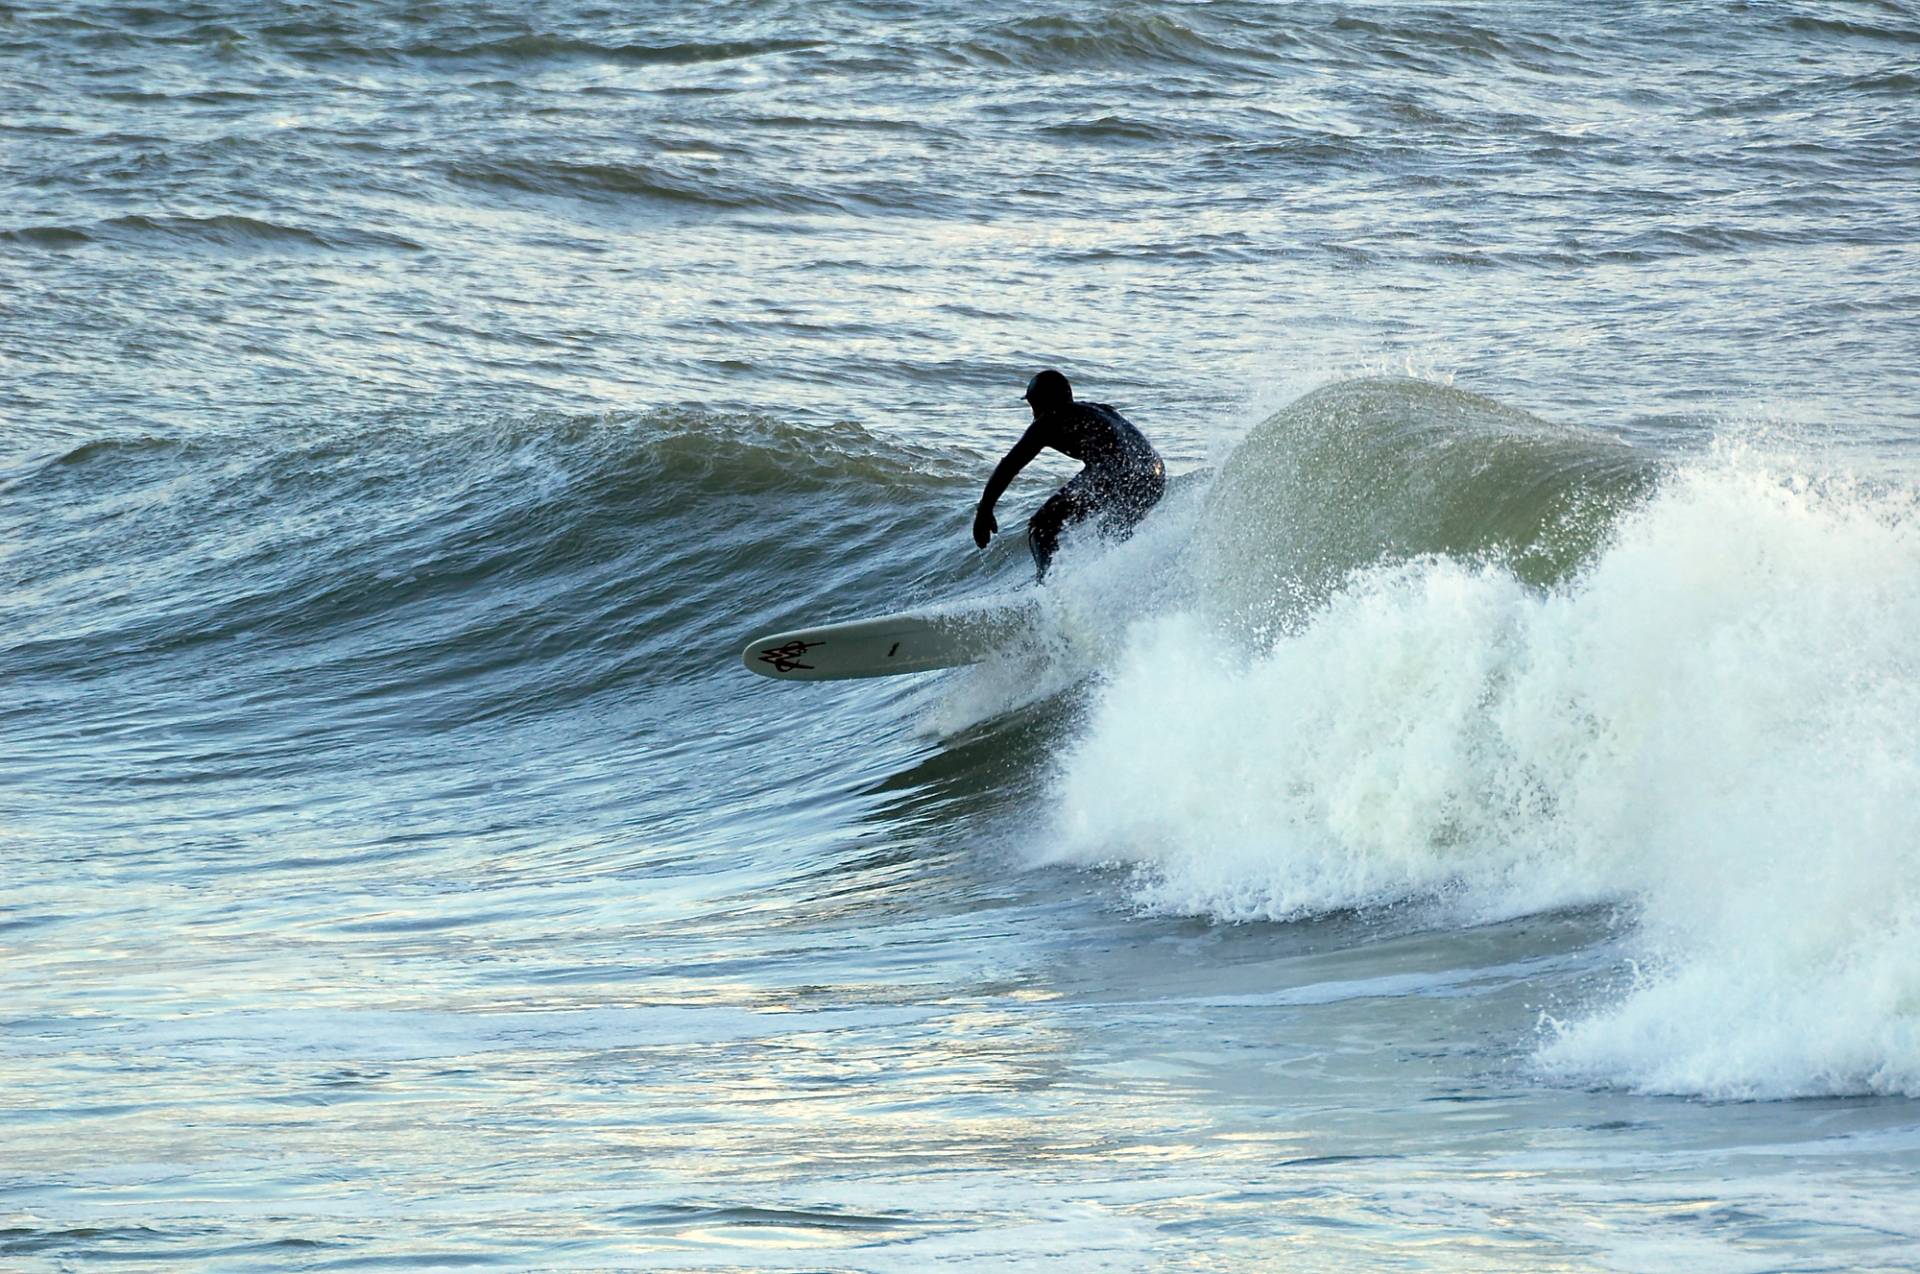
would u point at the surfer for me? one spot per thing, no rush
(1122, 480)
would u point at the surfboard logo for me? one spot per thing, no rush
(787, 658)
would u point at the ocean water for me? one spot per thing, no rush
(1474, 824)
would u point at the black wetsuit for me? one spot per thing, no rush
(1123, 478)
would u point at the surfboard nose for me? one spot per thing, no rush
(783, 656)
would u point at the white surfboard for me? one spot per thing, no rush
(913, 641)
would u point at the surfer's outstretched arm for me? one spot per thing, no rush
(1003, 473)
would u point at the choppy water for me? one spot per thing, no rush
(1472, 825)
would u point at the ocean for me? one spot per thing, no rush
(1473, 824)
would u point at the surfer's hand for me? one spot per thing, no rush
(983, 527)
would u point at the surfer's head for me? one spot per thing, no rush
(1048, 391)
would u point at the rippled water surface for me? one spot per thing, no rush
(1471, 825)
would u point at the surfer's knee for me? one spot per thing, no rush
(1051, 518)
(1042, 556)
(1043, 539)
(1045, 526)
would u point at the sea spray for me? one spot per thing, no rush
(1079, 621)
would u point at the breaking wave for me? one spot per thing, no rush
(1462, 660)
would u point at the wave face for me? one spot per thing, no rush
(308, 605)
(1702, 709)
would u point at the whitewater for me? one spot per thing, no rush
(1711, 722)
(1473, 824)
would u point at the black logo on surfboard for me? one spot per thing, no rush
(787, 658)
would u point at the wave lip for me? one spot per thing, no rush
(1711, 720)
(1389, 469)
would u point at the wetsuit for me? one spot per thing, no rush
(1123, 478)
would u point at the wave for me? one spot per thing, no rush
(1699, 704)
(603, 180)
(1435, 38)
(1855, 29)
(227, 231)
(346, 33)
(535, 47)
(1122, 37)
(1407, 646)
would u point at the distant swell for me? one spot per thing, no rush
(628, 180)
(539, 47)
(231, 231)
(1123, 37)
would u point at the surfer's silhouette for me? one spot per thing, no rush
(1123, 478)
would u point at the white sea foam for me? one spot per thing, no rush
(1716, 723)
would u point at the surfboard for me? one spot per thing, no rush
(888, 645)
